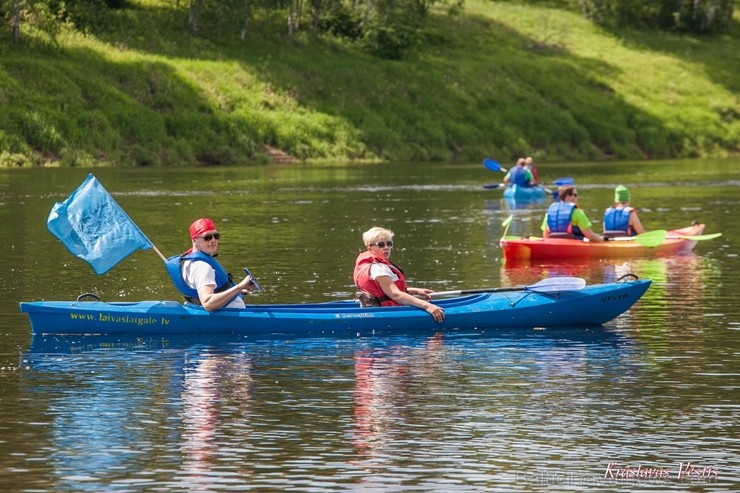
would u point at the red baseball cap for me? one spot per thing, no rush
(201, 226)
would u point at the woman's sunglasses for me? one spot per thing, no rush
(382, 244)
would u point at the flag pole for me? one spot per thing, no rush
(159, 253)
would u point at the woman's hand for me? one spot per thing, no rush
(421, 292)
(437, 312)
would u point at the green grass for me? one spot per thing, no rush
(502, 79)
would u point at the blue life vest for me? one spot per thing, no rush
(518, 176)
(174, 269)
(558, 218)
(618, 220)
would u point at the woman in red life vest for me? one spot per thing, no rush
(380, 278)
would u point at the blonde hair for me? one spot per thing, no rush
(376, 234)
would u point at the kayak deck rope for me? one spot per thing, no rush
(630, 275)
(88, 295)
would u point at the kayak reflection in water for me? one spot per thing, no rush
(382, 282)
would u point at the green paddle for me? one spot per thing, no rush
(652, 239)
(694, 237)
(505, 224)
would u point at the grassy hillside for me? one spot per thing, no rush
(501, 79)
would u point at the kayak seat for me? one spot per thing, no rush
(615, 234)
(562, 236)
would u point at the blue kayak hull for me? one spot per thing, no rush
(515, 192)
(591, 306)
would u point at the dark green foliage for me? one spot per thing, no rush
(340, 20)
(695, 16)
(391, 42)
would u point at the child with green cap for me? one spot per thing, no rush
(621, 219)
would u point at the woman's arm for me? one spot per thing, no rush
(391, 291)
(635, 223)
(591, 235)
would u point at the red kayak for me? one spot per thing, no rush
(675, 241)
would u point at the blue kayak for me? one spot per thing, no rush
(591, 306)
(517, 192)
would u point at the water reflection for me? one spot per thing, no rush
(177, 414)
(679, 282)
(381, 380)
(680, 278)
(212, 383)
(113, 403)
(681, 269)
(505, 204)
(471, 413)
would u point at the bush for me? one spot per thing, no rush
(341, 21)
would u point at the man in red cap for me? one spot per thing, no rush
(200, 277)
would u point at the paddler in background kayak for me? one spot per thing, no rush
(199, 276)
(382, 282)
(519, 175)
(564, 219)
(529, 164)
(621, 219)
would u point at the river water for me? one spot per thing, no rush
(654, 391)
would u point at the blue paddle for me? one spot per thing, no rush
(493, 165)
(494, 185)
(564, 181)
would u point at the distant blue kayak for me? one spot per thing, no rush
(590, 306)
(517, 192)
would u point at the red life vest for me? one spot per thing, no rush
(362, 277)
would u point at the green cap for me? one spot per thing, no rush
(621, 194)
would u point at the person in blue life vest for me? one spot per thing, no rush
(199, 276)
(621, 219)
(382, 281)
(519, 175)
(564, 219)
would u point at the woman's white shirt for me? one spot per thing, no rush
(377, 270)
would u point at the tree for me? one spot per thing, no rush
(194, 11)
(696, 16)
(16, 20)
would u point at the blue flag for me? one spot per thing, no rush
(93, 227)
